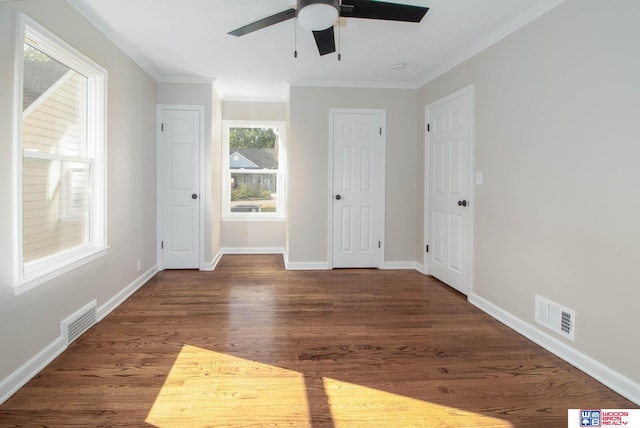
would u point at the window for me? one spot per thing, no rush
(61, 157)
(253, 165)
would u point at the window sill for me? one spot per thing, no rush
(47, 271)
(254, 217)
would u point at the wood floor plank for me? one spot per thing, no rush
(251, 344)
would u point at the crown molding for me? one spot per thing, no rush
(510, 27)
(353, 84)
(254, 99)
(185, 79)
(83, 9)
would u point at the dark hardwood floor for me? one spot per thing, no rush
(251, 344)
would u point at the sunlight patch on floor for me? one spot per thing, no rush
(351, 404)
(205, 388)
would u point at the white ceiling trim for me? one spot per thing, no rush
(512, 26)
(185, 79)
(254, 99)
(105, 29)
(353, 84)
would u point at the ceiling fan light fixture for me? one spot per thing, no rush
(318, 15)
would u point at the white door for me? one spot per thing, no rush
(180, 185)
(449, 144)
(357, 177)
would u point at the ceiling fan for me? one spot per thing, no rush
(320, 16)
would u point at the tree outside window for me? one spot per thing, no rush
(254, 174)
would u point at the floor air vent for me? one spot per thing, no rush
(556, 317)
(74, 325)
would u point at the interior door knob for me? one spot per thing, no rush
(194, 196)
(338, 197)
(462, 203)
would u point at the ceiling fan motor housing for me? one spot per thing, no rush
(317, 15)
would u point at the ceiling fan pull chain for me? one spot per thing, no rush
(339, 40)
(295, 38)
(339, 34)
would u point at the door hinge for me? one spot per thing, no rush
(428, 127)
(162, 245)
(427, 249)
(381, 130)
(162, 127)
(379, 244)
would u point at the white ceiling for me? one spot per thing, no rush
(186, 40)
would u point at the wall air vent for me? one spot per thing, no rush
(556, 317)
(82, 320)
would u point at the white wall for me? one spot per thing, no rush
(203, 94)
(558, 139)
(252, 235)
(216, 174)
(30, 322)
(254, 110)
(308, 153)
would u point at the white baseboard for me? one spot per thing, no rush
(106, 308)
(214, 262)
(607, 376)
(307, 266)
(28, 370)
(31, 368)
(270, 250)
(289, 265)
(240, 250)
(402, 265)
(252, 250)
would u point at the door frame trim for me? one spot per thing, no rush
(159, 189)
(468, 90)
(382, 114)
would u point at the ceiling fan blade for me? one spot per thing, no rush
(381, 10)
(325, 40)
(264, 22)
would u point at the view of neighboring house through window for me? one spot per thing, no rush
(253, 175)
(55, 166)
(62, 196)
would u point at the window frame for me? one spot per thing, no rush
(28, 275)
(279, 214)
